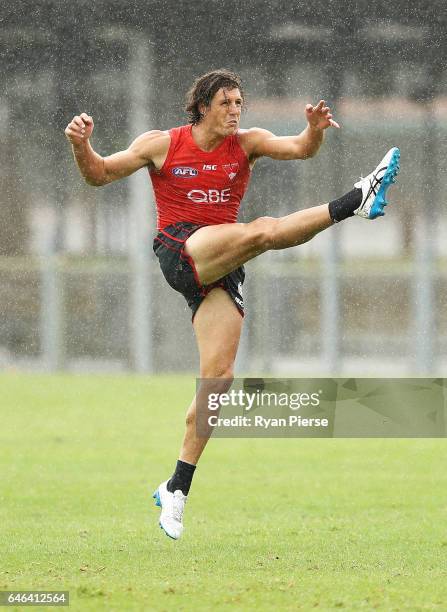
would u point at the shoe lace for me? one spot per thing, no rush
(178, 506)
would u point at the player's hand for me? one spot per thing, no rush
(320, 116)
(79, 129)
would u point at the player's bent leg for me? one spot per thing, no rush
(219, 249)
(217, 326)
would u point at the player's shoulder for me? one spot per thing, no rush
(154, 136)
(251, 138)
(253, 134)
(153, 141)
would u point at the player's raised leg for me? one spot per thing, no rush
(217, 326)
(219, 249)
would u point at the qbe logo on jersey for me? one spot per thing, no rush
(211, 196)
(184, 172)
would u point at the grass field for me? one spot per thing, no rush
(270, 524)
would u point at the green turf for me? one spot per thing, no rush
(270, 524)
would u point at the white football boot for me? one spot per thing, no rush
(172, 506)
(375, 185)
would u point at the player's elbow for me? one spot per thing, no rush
(300, 152)
(94, 182)
(308, 152)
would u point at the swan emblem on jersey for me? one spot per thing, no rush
(231, 169)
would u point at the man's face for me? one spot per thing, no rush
(224, 112)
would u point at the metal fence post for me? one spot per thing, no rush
(425, 235)
(140, 212)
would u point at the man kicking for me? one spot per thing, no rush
(200, 173)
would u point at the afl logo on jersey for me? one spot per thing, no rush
(184, 172)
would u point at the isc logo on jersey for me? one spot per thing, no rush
(184, 172)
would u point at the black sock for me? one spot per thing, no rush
(181, 478)
(344, 207)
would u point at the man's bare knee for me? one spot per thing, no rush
(215, 380)
(261, 234)
(222, 371)
(216, 377)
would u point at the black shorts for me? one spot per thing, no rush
(179, 270)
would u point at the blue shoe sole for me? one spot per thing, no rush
(156, 496)
(389, 178)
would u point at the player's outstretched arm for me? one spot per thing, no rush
(262, 143)
(148, 149)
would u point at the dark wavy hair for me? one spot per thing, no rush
(204, 89)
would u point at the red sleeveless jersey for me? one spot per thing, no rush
(199, 186)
